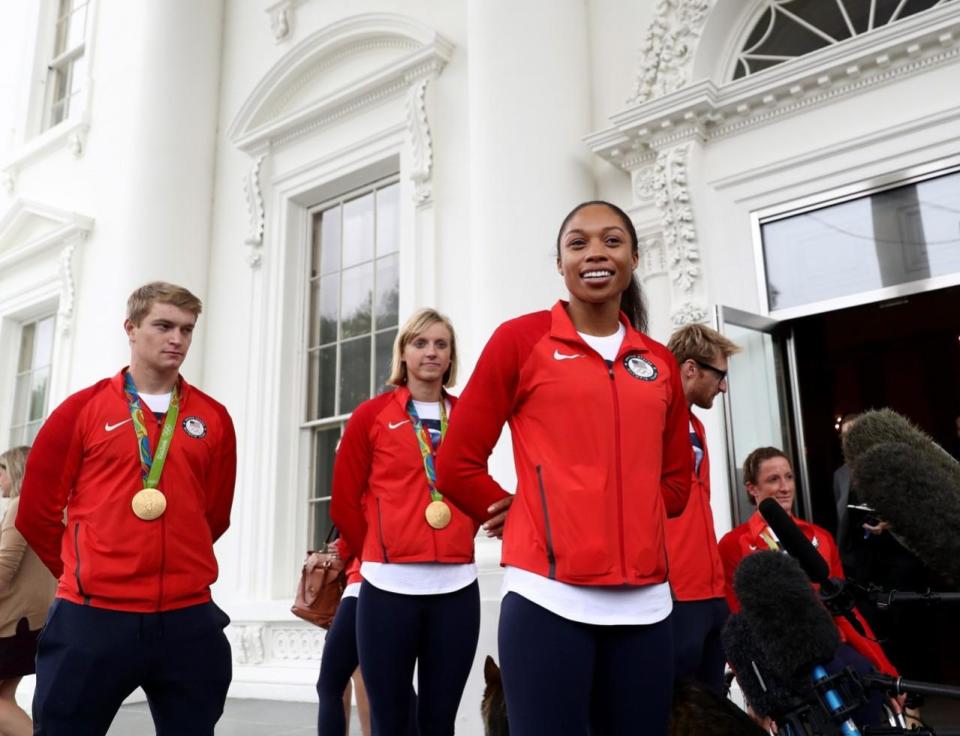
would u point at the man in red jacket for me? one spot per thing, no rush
(144, 465)
(696, 573)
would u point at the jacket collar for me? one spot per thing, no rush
(757, 524)
(401, 395)
(118, 379)
(562, 328)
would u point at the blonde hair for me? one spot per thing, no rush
(143, 299)
(696, 341)
(16, 460)
(419, 321)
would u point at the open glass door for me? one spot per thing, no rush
(762, 402)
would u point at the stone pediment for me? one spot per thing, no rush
(29, 228)
(337, 70)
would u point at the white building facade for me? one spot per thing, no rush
(317, 170)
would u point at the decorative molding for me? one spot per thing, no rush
(653, 259)
(70, 134)
(68, 287)
(672, 196)
(255, 211)
(421, 144)
(30, 228)
(282, 19)
(667, 51)
(264, 121)
(705, 111)
(296, 644)
(246, 642)
(687, 313)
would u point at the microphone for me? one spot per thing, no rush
(833, 592)
(918, 494)
(766, 693)
(794, 633)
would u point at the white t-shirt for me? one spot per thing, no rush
(351, 591)
(421, 578)
(605, 606)
(157, 403)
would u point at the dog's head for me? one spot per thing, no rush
(493, 707)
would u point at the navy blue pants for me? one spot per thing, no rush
(697, 652)
(90, 659)
(339, 661)
(438, 634)
(571, 678)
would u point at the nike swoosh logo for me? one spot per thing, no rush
(110, 427)
(557, 355)
(393, 425)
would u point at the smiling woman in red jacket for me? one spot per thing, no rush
(419, 603)
(599, 428)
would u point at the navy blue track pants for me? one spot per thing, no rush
(89, 659)
(698, 654)
(438, 634)
(576, 679)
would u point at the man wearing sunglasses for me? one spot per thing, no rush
(696, 573)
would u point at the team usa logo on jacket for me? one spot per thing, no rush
(195, 427)
(640, 368)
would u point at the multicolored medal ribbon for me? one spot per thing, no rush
(767, 536)
(437, 512)
(150, 503)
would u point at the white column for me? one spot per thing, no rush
(150, 162)
(530, 105)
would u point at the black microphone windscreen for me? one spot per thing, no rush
(766, 693)
(919, 498)
(788, 622)
(793, 540)
(880, 426)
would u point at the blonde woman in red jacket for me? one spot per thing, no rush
(419, 603)
(599, 428)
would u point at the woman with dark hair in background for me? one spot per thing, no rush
(26, 591)
(599, 422)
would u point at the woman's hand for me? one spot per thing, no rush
(877, 528)
(494, 525)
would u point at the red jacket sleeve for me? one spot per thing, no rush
(475, 426)
(222, 479)
(677, 469)
(729, 549)
(52, 468)
(351, 474)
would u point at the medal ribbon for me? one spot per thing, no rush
(427, 448)
(151, 465)
(767, 536)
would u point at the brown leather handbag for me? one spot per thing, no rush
(322, 582)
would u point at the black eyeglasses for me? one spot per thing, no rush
(706, 366)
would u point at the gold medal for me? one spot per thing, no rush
(149, 504)
(438, 514)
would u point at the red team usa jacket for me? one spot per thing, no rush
(380, 490)
(696, 572)
(85, 458)
(602, 453)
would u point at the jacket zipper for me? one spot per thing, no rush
(383, 544)
(617, 462)
(551, 557)
(76, 572)
(163, 559)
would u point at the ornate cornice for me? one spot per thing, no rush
(264, 120)
(705, 111)
(667, 51)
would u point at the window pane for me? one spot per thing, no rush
(326, 247)
(322, 382)
(899, 235)
(388, 291)
(324, 297)
(26, 347)
(383, 346)
(324, 448)
(21, 398)
(76, 26)
(358, 231)
(355, 306)
(38, 394)
(388, 220)
(319, 522)
(354, 373)
(30, 432)
(78, 68)
(43, 344)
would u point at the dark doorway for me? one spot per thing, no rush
(903, 354)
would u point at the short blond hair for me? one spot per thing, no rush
(143, 299)
(419, 321)
(696, 341)
(15, 461)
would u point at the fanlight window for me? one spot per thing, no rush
(788, 29)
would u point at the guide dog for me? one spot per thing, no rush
(696, 711)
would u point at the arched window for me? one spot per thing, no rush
(787, 29)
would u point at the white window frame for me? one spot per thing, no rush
(18, 424)
(64, 63)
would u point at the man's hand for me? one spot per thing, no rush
(877, 528)
(494, 525)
